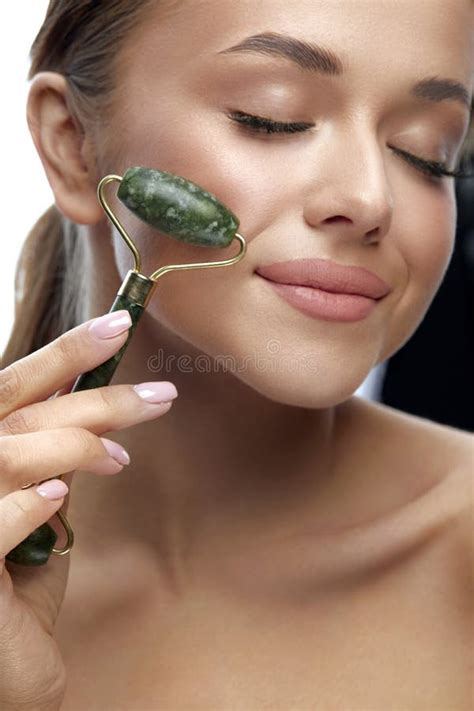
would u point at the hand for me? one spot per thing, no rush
(42, 436)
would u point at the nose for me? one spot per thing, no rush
(348, 194)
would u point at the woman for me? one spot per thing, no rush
(275, 542)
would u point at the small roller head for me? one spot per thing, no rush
(177, 207)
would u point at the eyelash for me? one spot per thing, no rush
(257, 123)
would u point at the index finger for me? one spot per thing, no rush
(34, 377)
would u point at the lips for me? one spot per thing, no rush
(326, 275)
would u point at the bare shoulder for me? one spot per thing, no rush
(441, 454)
(411, 437)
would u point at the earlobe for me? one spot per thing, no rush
(62, 146)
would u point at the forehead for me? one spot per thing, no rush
(431, 36)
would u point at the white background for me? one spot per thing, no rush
(24, 189)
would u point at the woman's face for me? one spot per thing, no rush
(337, 191)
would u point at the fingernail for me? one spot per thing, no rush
(53, 489)
(116, 451)
(111, 325)
(156, 392)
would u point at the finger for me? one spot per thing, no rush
(112, 407)
(37, 456)
(22, 512)
(77, 351)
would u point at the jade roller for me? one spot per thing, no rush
(180, 209)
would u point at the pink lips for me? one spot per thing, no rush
(326, 275)
(325, 290)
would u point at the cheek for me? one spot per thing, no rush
(202, 305)
(198, 303)
(428, 243)
(208, 152)
(424, 250)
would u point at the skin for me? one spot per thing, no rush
(249, 458)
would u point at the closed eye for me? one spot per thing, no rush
(259, 124)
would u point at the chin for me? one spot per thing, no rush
(311, 389)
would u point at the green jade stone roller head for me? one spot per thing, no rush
(180, 209)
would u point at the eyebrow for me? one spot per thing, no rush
(315, 58)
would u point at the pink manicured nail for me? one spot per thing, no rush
(156, 392)
(111, 325)
(116, 451)
(53, 489)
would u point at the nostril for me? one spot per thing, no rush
(338, 218)
(372, 233)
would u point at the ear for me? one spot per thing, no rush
(63, 148)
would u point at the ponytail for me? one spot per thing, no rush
(46, 290)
